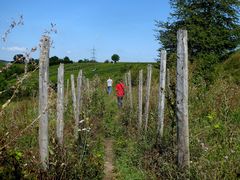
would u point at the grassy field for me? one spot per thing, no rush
(214, 121)
(2, 64)
(103, 70)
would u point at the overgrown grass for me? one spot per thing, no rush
(214, 121)
(214, 127)
(125, 148)
(2, 64)
(76, 160)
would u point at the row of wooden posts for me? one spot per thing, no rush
(181, 98)
(43, 101)
(183, 155)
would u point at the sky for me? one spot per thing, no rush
(123, 27)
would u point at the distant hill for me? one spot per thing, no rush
(4, 61)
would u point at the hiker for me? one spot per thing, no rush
(120, 92)
(109, 85)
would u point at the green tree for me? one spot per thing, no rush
(115, 58)
(54, 60)
(19, 59)
(106, 61)
(66, 59)
(213, 27)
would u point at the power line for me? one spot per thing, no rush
(93, 58)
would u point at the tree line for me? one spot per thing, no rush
(54, 60)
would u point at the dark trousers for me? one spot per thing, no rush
(109, 89)
(120, 101)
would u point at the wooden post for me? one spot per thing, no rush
(140, 92)
(43, 100)
(60, 104)
(88, 88)
(148, 89)
(130, 89)
(79, 93)
(67, 94)
(126, 85)
(183, 154)
(74, 99)
(161, 101)
(168, 80)
(26, 65)
(125, 79)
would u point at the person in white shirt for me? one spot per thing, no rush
(109, 85)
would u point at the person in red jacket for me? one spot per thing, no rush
(120, 92)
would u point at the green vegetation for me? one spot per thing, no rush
(125, 149)
(213, 32)
(231, 67)
(214, 127)
(213, 26)
(55, 60)
(214, 108)
(214, 116)
(84, 158)
(2, 64)
(9, 75)
(115, 58)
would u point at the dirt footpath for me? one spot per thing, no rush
(108, 165)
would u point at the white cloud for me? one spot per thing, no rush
(68, 52)
(14, 49)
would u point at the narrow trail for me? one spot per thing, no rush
(110, 117)
(108, 165)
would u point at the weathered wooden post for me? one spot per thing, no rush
(26, 64)
(79, 92)
(148, 89)
(60, 104)
(168, 80)
(67, 94)
(126, 85)
(130, 89)
(140, 93)
(183, 155)
(88, 88)
(43, 100)
(161, 95)
(74, 99)
(125, 79)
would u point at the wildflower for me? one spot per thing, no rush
(81, 121)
